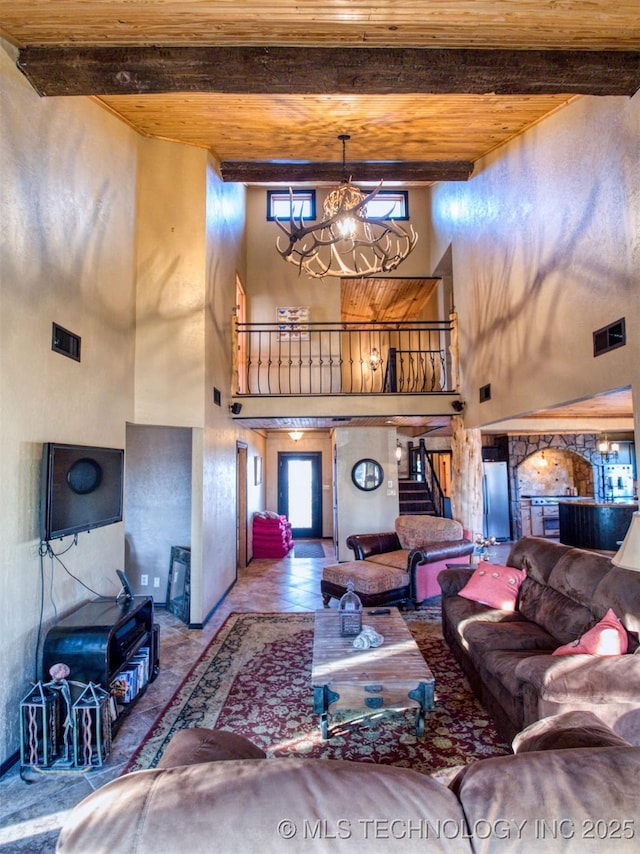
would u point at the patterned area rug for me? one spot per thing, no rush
(254, 679)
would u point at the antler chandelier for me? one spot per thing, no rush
(348, 242)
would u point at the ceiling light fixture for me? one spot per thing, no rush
(296, 435)
(608, 450)
(348, 242)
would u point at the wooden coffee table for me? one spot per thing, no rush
(393, 676)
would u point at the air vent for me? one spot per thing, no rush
(609, 337)
(65, 342)
(485, 393)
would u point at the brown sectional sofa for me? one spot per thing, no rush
(507, 656)
(557, 800)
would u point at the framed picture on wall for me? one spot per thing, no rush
(293, 323)
(257, 470)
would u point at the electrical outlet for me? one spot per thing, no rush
(156, 581)
(144, 580)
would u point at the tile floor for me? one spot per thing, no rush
(31, 814)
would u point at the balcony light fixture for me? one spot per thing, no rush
(348, 242)
(296, 435)
(374, 360)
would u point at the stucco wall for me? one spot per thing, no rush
(272, 282)
(361, 512)
(67, 196)
(170, 310)
(545, 242)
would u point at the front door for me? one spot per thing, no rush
(300, 492)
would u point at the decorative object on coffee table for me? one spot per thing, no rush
(350, 610)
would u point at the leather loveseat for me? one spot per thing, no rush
(399, 567)
(573, 799)
(508, 655)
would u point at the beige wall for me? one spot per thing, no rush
(225, 211)
(170, 307)
(361, 512)
(272, 282)
(546, 249)
(68, 210)
(84, 212)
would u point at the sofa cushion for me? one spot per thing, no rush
(483, 636)
(568, 795)
(620, 590)
(461, 613)
(560, 616)
(607, 637)
(566, 732)
(577, 575)
(414, 532)
(582, 678)
(502, 664)
(266, 805)
(493, 585)
(198, 744)
(367, 577)
(537, 555)
(398, 559)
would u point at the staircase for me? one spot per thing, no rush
(415, 498)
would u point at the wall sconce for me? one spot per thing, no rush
(544, 462)
(374, 360)
(296, 435)
(235, 408)
(398, 451)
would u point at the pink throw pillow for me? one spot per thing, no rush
(493, 585)
(608, 637)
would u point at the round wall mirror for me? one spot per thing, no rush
(367, 475)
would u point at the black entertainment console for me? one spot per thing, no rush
(115, 644)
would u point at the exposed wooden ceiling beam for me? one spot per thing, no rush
(99, 70)
(257, 172)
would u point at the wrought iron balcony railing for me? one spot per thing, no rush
(343, 358)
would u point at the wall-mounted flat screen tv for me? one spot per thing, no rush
(82, 489)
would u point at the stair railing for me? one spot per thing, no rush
(421, 468)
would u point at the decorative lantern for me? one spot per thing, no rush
(350, 610)
(39, 724)
(91, 727)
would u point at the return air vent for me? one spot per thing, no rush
(609, 337)
(485, 393)
(65, 342)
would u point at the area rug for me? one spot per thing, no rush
(254, 679)
(307, 549)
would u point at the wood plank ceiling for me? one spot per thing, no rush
(276, 82)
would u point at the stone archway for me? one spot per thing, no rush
(581, 450)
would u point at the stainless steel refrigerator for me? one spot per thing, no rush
(495, 488)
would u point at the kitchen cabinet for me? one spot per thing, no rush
(525, 518)
(537, 521)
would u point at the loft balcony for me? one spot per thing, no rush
(344, 369)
